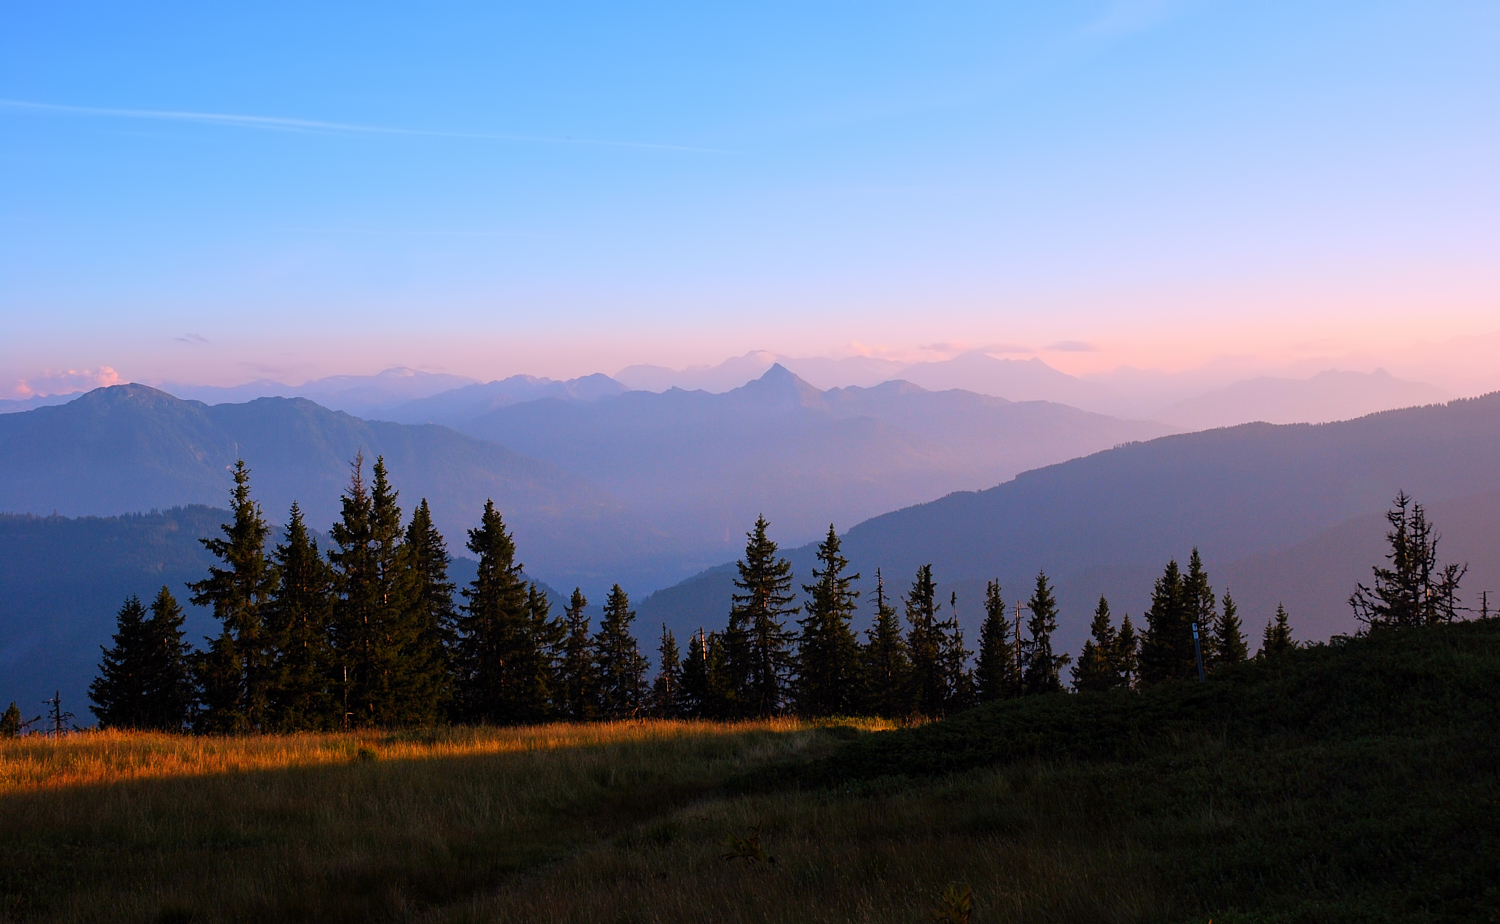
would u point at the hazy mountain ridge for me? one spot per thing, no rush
(130, 448)
(1245, 496)
(801, 456)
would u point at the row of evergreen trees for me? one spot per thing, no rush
(372, 635)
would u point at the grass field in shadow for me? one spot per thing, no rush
(1358, 781)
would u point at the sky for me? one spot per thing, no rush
(218, 193)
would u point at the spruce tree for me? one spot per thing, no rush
(693, 692)
(298, 618)
(425, 622)
(1229, 636)
(578, 684)
(356, 604)
(954, 659)
(1127, 653)
(384, 693)
(1415, 590)
(1043, 668)
(924, 645)
(1277, 638)
(11, 722)
(886, 668)
(666, 690)
(168, 687)
(237, 672)
(1167, 647)
(119, 692)
(827, 652)
(995, 673)
(543, 652)
(622, 669)
(1097, 669)
(1202, 608)
(491, 686)
(758, 646)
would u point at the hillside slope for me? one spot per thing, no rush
(130, 448)
(1107, 523)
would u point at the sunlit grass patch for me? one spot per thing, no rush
(36, 762)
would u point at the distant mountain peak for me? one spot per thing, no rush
(781, 384)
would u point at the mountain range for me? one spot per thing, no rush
(1281, 513)
(599, 485)
(130, 448)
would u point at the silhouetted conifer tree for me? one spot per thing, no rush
(1277, 638)
(1415, 590)
(1167, 647)
(666, 689)
(236, 673)
(827, 652)
(1202, 609)
(493, 631)
(1127, 653)
(995, 673)
(757, 644)
(1043, 668)
(955, 660)
(693, 698)
(578, 683)
(622, 669)
(884, 664)
(169, 691)
(1097, 668)
(425, 623)
(935, 650)
(298, 618)
(1229, 636)
(119, 692)
(10, 722)
(144, 678)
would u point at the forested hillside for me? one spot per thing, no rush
(1104, 524)
(129, 449)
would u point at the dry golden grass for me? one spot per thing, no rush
(116, 827)
(98, 757)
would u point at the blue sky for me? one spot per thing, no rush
(197, 192)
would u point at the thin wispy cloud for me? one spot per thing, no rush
(192, 339)
(1125, 17)
(1072, 346)
(315, 126)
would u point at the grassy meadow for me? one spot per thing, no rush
(1351, 782)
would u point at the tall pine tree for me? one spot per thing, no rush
(119, 692)
(1277, 639)
(578, 683)
(169, 692)
(1043, 668)
(1167, 646)
(1097, 669)
(426, 621)
(935, 649)
(1202, 608)
(299, 618)
(1229, 635)
(236, 674)
(491, 660)
(1127, 653)
(827, 652)
(995, 674)
(758, 645)
(1415, 590)
(666, 690)
(885, 665)
(622, 668)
